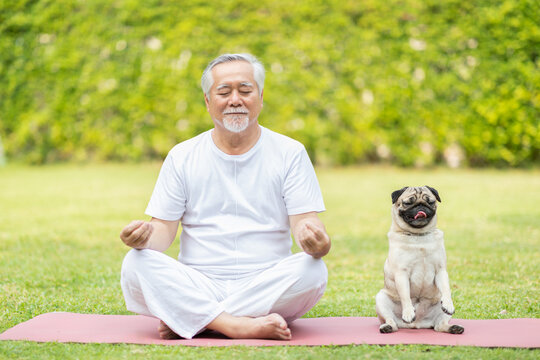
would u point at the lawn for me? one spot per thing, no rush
(60, 251)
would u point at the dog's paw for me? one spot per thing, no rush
(456, 329)
(448, 306)
(408, 315)
(386, 329)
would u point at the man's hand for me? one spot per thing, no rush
(310, 234)
(137, 234)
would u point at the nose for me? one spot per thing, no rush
(235, 99)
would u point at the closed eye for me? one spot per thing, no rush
(429, 200)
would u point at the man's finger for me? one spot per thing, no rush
(135, 224)
(308, 248)
(134, 238)
(126, 231)
(146, 235)
(309, 242)
(306, 233)
(318, 232)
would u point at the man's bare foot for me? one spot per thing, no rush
(271, 326)
(166, 333)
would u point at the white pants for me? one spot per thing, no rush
(157, 285)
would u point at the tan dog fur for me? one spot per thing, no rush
(416, 291)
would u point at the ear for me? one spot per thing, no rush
(396, 194)
(435, 192)
(207, 102)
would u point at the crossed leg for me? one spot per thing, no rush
(157, 285)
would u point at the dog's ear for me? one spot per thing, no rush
(435, 192)
(396, 194)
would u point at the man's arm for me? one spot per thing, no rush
(310, 234)
(155, 234)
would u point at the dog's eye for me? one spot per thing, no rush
(430, 201)
(408, 202)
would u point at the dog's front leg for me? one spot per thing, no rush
(404, 292)
(443, 284)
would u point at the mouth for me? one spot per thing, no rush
(235, 112)
(417, 216)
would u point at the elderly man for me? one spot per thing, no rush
(238, 190)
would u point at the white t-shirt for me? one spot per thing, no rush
(234, 208)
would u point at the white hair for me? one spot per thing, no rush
(258, 70)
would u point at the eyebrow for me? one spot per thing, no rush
(219, 87)
(222, 86)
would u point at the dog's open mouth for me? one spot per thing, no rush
(418, 216)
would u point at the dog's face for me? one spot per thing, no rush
(415, 208)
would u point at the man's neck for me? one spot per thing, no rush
(236, 143)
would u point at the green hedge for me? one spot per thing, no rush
(412, 82)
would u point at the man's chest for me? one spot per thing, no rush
(234, 187)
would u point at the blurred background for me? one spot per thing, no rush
(411, 83)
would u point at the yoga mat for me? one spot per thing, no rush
(136, 329)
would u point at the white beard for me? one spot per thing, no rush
(235, 123)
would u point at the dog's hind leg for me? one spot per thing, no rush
(442, 325)
(385, 311)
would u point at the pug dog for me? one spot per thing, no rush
(416, 293)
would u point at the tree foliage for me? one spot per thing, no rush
(413, 82)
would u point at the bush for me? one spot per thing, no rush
(409, 82)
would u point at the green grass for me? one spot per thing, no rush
(60, 251)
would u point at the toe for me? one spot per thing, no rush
(287, 335)
(385, 329)
(456, 329)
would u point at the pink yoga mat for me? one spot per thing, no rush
(136, 329)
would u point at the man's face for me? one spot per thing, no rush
(233, 101)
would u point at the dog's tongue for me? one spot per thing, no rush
(420, 214)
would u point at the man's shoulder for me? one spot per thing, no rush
(186, 147)
(282, 142)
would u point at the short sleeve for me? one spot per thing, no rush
(168, 200)
(301, 191)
